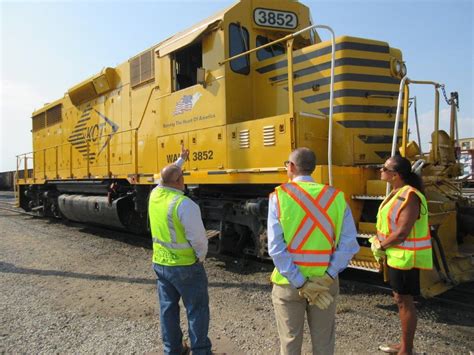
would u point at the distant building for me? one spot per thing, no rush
(466, 143)
(467, 156)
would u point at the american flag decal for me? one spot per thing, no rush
(186, 103)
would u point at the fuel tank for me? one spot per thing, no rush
(91, 209)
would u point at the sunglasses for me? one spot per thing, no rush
(385, 169)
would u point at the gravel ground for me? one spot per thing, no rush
(79, 289)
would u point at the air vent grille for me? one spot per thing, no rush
(268, 136)
(244, 139)
(39, 121)
(142, 69)
(53, 115)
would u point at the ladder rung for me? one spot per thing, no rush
(365, 235)
(211, 233)
(367, 197)
(372, 266)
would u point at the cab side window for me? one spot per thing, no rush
(268, 52)
(239, 43)
(186, 63)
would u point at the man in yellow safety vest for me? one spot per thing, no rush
(179, 249)
(311, 239)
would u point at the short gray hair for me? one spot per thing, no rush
(304, 160)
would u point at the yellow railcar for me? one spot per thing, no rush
(241, 89)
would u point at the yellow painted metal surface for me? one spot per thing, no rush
(109, 128)
(129, 121)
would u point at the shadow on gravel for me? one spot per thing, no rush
(10, 268)
(429, 309)
(137, 240)
(13, 269)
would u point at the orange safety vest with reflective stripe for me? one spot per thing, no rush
(415, 251)
(311, 216)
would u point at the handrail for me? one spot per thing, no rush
(331, 98)
(417, 125)
(290, 38)
(406, 81)
(406, 100)
(19, 158)
(146, 106)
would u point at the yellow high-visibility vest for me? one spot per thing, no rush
(415, 251)
(170, 246)
(311, 216)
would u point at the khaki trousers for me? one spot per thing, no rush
(290, 309)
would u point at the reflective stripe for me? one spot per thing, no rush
(415, 244)
(392, 217)
(325, 198)
(305, 228)
(172, 245)
(314, 211)
(409, 243)
(395, 210)
(170, 218)
(308, 259)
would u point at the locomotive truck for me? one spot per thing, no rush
(242, 89)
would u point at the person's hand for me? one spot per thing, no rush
(376, 248)
(184, 152)
(311, 289)
(323, 300)
(323, 281)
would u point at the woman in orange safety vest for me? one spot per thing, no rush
(403, 238)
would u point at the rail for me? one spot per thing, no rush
(25, 157)
(404, 90)
(289, 52)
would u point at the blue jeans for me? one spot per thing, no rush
(190, 284)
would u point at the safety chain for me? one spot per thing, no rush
(454, 97)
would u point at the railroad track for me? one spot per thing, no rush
(8, 204)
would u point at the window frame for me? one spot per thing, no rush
(244, 70)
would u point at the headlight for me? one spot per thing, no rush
(395, 67)
(403, 70)
(398, 67)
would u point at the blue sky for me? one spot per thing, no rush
(47, 47)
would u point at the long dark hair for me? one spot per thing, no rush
(402, 166)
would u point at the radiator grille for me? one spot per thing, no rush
(268, 136)
(53, 115)
(142, 68)
(135, 72)
(244, 139)
(39, 121)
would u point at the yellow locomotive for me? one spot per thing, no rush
(241, 89)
